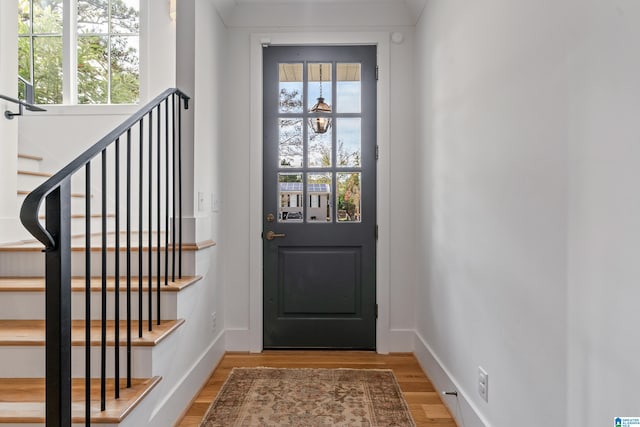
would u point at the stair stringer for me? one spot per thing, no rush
(198, 348)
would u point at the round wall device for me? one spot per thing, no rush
(397, 37)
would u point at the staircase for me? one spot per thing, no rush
(124, 314)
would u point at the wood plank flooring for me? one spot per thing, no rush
(424, 401)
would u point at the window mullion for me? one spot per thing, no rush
(69, 52)
(109, 31)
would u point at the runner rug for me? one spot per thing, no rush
(309, 397)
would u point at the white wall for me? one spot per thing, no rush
(8, 128)
(237, 153)
(492, 185)
(604, 213)
(529, 140)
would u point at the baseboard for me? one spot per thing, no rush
(173, 404)
(465, 412)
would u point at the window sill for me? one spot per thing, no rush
(88, 110)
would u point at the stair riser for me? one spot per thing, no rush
(31, 305)
(29, 362)
(77, 204)
(26, 164)
(31, 264)
(29, 182)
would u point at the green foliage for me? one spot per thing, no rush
(101, 58)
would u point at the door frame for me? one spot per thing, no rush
(381, 40)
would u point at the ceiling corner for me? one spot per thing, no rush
(415, 7)
(225, 9)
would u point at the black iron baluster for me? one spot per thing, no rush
(180, 192)
(150, 269)
(158, 216)
(103, 346)
(87, 295)
(140, 225)
(117, 272)
(173, 190)
(166, 191)
(129, 258)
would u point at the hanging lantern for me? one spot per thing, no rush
(320, 124)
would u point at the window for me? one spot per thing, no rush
(101, 56)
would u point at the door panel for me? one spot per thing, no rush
(319, 197)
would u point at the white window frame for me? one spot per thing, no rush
(70, 59)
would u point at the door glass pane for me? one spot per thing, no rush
(290, 143)
(291, 88)
(319, 197)
(319, 151)
(349, 201)
(349, 144)
(348, 88)
(290, 196)
(319, 84)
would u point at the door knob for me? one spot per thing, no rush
(270, 235)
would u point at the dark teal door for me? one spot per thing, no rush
(319, 197)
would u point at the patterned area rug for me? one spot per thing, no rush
(309, 397)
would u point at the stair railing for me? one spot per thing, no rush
(158, 138)
(21, 104)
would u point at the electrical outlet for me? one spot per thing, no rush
(483, 384)
(201, 202)
(213, 320)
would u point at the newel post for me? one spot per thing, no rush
(58, 307)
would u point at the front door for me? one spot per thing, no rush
(319, 197)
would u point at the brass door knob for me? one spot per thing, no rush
(270, 235)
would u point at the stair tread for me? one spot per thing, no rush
(75, 195)
(82, 216)
(32, 332)
(34, 173)
(22, 399)
(37, 284)
(78, 244)
(29, 156)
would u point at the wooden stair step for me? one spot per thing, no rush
(33, 173)
(37, 284)
(78, 244)
(75, 195)
(30, 157)
(32, 332)
(22, 400)
(83, 216)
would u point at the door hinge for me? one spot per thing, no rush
(377, 72)
(377, 231)
(377, 152)
(376, 311)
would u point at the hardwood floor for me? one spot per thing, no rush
(424, 401)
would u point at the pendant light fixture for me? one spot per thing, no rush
(320, 124)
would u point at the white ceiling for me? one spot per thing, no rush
(318, 13)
